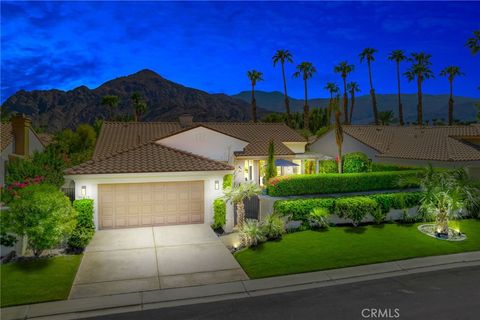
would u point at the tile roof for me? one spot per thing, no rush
(148, 157)
(439, 143)
(118, 136)
(6, 135)
(261, 149)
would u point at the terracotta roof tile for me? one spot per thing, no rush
(445, 143)
(261, 149)
(118, 136)
(148, 157)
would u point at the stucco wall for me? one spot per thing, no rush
(205, 142)
(91, 183)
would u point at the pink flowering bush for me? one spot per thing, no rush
(11, 190)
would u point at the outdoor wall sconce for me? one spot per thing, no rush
(83, 192)
(217, 185)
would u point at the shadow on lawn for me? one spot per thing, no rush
(357, 230)
(33, 264)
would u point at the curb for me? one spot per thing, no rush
(155, 299)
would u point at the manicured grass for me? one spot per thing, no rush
(340, 247)
(41, 280)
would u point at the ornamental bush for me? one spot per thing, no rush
(299, 209)
(327, 166)
(319, 218)
(341, 183)
(355, 162)
(227, 181)
(219, 213)
(43, 214)
(85, 228)
(273, 227)
(355, 208)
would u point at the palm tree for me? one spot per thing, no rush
(111, 102)
(385, 117)
(254, 77)
(352, 87)
(367, 54)
(420, 70)
(474, 42)
(398, 56)
(344, 69)
(306, 70)
(338, 135)
(237, 194)
(445, 192)
(451, 72)
(283, 56)
(333, 89)
(139, 106)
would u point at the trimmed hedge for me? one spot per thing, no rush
(219, 213)
(355, 208)
(379, 167)
(340, 183)
(299, 209)
(227, 181)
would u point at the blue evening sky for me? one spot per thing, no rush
(211, 45)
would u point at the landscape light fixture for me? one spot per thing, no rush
(84, 191)
(217, 185)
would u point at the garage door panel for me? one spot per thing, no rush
(146, 204)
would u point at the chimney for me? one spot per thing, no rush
(186, 120)
(21, 132)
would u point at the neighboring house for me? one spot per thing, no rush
(17, 140)
(157, 173)
(440, 146)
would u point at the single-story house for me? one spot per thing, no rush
(440, 146)
(159, 173)
(17, 140)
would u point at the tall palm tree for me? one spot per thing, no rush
(139, 106)
(419, 70)
(367, 54)
(352, 87)
(254, 77)
(306, 70)
(344, 69)
(474, 42)
(398, 56)
(111, 102)
(333, 89)
(451, 72)
(338, 134)
(283, 56)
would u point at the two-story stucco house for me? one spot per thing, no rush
(158, 173)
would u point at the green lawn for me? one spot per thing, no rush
(38, 281)
(340, 247)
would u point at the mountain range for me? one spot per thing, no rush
(434, 106)
(55, 109)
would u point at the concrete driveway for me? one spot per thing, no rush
(141, 259)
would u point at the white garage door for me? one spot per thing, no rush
(147, 204)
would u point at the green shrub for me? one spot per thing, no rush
(327, 166)
(85, 228)
(273, 226)
(227, 181)
(355, 208)
(379, 166)
(43, 214)
(299, 209)
(378, 215)
(319, 218)
(355, 162)
(340, 183)
(252, 233)
(219, 213)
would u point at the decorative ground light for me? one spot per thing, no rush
(453, 235)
